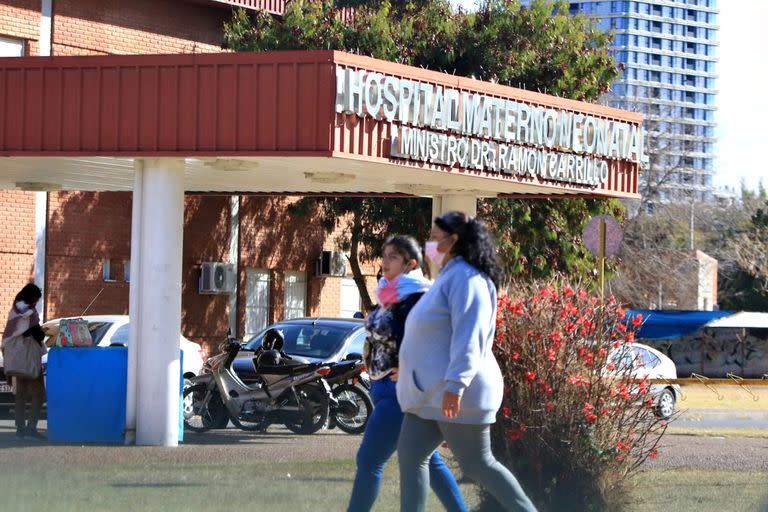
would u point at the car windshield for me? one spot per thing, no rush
(98, 330)
(306, 340)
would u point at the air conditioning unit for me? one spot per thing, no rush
(217, 277)
(331, 263)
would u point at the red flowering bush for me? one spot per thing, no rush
(574, 423)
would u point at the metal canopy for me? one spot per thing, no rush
(247, 122)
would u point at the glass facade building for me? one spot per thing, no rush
(668, 48)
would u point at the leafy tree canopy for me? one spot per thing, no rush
(540, 47)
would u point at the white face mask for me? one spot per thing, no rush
(433, 253)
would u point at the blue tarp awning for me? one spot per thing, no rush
(659, 324)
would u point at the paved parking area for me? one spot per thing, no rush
(229, 445)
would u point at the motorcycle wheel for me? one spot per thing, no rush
(313, 410)
(352, 420)
(201, 415)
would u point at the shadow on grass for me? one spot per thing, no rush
(159, 485)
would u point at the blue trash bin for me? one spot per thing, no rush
(86, 390)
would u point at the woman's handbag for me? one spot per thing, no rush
(22, 357)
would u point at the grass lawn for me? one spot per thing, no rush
(699, 490)
(718, 432)
(313, 486)
(734, 398)
(261, 486)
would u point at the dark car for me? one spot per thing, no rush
(310, 340)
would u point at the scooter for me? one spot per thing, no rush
(293, 394)
(350, 403)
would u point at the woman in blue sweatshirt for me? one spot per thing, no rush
(401, 286)
(450, 386)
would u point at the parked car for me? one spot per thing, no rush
(111, 330)
(646, 361)
(310, 340)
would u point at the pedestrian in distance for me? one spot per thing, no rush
(450, 386)
(401, 286)
(23, 348)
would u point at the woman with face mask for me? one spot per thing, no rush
(450, 386)
(23, 334)
(400, 287)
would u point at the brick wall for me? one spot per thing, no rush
(86, 228)
(20, 19)
(17, 245)
(139, 26)
(204, 318)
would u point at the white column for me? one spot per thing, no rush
(46, 27)
(234, 254)
(41, 221)
(41, 198)
(155, 302)
(454, 202)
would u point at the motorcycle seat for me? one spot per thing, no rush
(290, 369)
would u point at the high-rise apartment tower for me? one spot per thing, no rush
(668, 48)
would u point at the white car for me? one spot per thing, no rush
(646, 361)
(110, 330)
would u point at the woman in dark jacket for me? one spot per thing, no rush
(401, 286)
(23, 326)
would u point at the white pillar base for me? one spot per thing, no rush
(152, 413)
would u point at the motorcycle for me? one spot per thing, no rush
(287, 392)
(350, 405)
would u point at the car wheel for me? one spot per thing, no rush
(665, 404)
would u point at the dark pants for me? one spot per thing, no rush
(32, 391)
(379, 444)
(471, 444)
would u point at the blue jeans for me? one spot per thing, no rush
(379, 444)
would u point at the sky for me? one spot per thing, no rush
(742, 100)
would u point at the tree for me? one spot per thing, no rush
(540, 47)
(656, 255)
(368, 221)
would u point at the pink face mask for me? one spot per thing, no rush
(433, 253)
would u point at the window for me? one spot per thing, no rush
(127, 271)
(121, 335)
(656, 26)
(656, 10)
(646, 358)
(690, 47)
(108, 270)
(690, 15)
(690, 64)
(655, 76)
(318, 341)
(357, 342)
(295, 294)
(689, 80)
(655, 60)
(256, 300)
(656, 43)
(11, 47)
(690, 97)
(350, 298)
